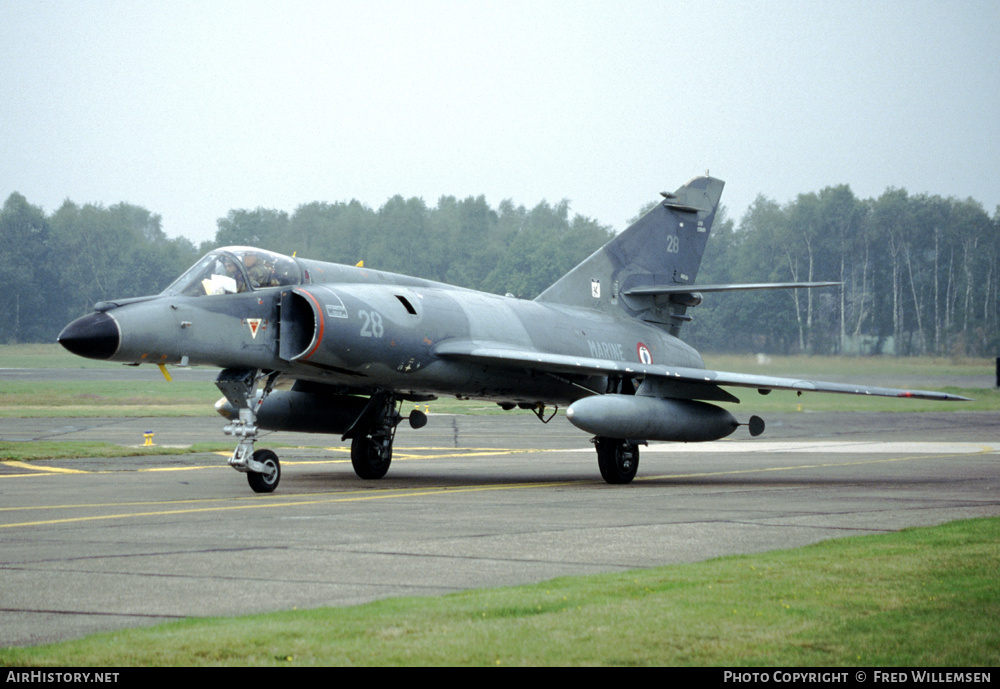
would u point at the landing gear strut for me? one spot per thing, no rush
(617, 459)
(240, 387)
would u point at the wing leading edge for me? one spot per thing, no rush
(688, 383)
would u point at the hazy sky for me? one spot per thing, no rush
(191, 109)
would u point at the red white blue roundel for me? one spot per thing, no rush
(644, 354)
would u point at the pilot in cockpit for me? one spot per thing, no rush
(260, 274)
(236, 269)
(232, 272)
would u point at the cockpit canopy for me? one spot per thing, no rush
(235, 269)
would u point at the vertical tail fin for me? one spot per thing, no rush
(663, 248)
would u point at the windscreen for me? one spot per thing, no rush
(236, 269)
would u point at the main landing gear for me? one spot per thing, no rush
(371, 436)
(617, 459)
(373, 432)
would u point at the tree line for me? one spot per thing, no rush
(56, 267)
(920, 274)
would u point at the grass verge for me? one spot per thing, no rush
(106, 398)
(56, 449)
(783, 401)
(919, 597)
(121, 398)
(857, 367)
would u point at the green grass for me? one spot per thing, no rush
(120, 399)
(46, 356)
(107, 398)
(54, 356)
(783, 401)
(920, 597)
(129, 398)
(925, 373)
(59, 449)
(860, 367)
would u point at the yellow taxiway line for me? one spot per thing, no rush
(271, 501)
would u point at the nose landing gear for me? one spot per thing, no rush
(240, 387)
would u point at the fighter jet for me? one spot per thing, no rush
(602, 343)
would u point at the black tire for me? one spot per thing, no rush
(370, 459)
(261, 483)
(618, 460)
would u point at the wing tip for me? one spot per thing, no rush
(940, 396)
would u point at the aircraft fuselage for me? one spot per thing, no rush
(381, 334)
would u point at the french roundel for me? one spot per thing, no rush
(644, 354)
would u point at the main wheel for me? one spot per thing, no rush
(262, 483)
(370, 457)
(617, 459)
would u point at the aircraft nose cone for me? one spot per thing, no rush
(94, 336)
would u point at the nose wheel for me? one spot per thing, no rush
(265, 481)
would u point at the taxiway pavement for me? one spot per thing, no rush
(470, 501)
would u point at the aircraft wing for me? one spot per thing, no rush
(690, 383)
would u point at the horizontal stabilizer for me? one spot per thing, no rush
(653, 290)
(677, 203)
